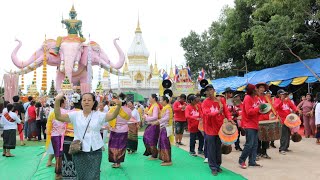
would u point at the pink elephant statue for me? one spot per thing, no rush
(72, 61)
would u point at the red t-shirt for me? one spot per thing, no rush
(212, 119)
(179, 114)
(284, 108)
(250, 112)
(32, 112)
(192, 114)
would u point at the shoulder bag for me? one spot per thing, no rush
(76, 145)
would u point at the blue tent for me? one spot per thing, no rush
(287, 72)
(284, 75)
(234, 82)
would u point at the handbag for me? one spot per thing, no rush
(76, 145)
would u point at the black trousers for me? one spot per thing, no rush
(193, 137)
(262, 147)
(41, 126)
(237, 143)
(214, 152)
(285, 138)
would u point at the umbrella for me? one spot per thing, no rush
(136, 96)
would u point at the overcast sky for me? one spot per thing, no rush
(163, 24)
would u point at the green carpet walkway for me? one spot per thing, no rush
(29, 164)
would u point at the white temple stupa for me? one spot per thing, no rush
(139, 76)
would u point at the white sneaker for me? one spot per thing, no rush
(205, 160)
(283, 152)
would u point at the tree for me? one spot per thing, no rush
(258, 32)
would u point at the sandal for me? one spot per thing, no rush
(115, 165)
(166, 164)
(10, 155)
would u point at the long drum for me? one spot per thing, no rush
(269, 130)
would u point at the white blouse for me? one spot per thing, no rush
(92, 140)
(10, 125)
(135, 114)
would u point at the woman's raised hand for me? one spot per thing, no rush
(60, 96)
(118, 102)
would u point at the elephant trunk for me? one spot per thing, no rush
(120, 63)
(20, 63)
(121, 60)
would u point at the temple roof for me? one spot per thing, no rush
(138, 47)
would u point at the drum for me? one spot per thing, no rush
(226, 149)
(296, 137)
(292, 121)
(228, 133)
(269, 130)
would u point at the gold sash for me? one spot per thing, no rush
(163, 111)
(122, 114)
(150, 111)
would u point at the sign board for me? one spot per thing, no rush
(183, 88)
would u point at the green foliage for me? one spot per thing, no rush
(258, 32)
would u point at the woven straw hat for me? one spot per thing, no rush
(292, 120)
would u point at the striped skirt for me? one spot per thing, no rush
(164, 146)
(117, 146)
(133, 137)
(150, 140)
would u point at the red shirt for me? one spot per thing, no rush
(32, 112)
(192, 114)
(250, 112)
(179, 114)
(212, 119)
(284, 108)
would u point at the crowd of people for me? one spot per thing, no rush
(91, 118)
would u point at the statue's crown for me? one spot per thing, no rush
(72, 9)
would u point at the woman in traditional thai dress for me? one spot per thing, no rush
(307, 107)
(133, 124)
(32, 125)
(151, 133)
(87, 124)
(119, 133)
(166, 130)
(55, 136)
(9, 120)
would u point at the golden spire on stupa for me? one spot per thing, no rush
(171, 75)
(155, 68)
(125, 68)
(138, 29)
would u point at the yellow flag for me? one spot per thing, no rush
(160, 88)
